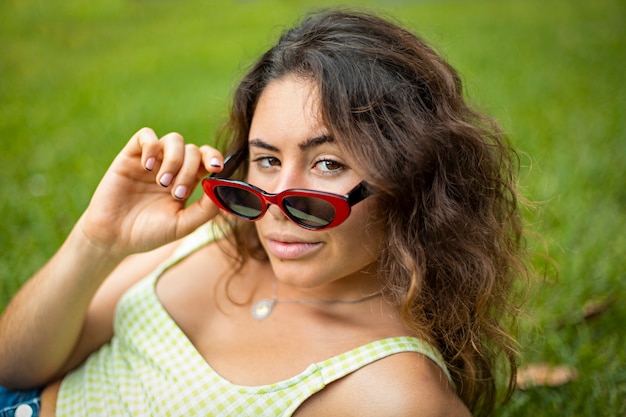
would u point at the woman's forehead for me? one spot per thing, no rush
(288, 108)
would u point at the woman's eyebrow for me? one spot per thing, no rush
(304, 145)
(314, 142)
(258, 143)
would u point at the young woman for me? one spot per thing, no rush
(361, 263)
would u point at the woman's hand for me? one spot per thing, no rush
(140, 204)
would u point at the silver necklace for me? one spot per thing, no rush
(263, 308)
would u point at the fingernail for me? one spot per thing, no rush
(215, 163)
(150, 164)
(181, 192)
(166, 180)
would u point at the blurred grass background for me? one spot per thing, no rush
(77, 79)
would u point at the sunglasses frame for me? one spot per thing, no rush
(342, 204)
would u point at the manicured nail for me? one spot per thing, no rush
(150, 163)
(166, 180)
(181, 192)
(215, 163)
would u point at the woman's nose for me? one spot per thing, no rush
(276, 212)
(286, 181)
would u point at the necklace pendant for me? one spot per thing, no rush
(261, 309)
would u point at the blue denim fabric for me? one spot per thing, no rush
(10, 401)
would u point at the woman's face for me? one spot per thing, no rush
(291, 148)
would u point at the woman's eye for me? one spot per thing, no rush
(267, 162)
(328, 165)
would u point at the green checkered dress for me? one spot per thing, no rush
(150, 368)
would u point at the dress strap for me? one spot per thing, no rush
(346, 363)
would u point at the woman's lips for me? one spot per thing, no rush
(291, 249)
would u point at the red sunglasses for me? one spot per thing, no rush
(313, 210)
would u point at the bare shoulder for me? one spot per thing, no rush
(414, 385)
(402, 385)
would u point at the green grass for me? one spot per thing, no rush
(78, 78)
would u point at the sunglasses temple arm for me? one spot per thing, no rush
(360, 193)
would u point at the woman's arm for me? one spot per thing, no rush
(49, 326)
(41, 324)
(97, 328)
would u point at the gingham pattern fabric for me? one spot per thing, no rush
(150, 368)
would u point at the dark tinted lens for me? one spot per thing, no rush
(240, 202)
(309, 211)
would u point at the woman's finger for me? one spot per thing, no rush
(173, 147)
(197, 163)
(212, 158)
(148, 144)
(187, 175)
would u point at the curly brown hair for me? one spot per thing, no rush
(444, 175)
